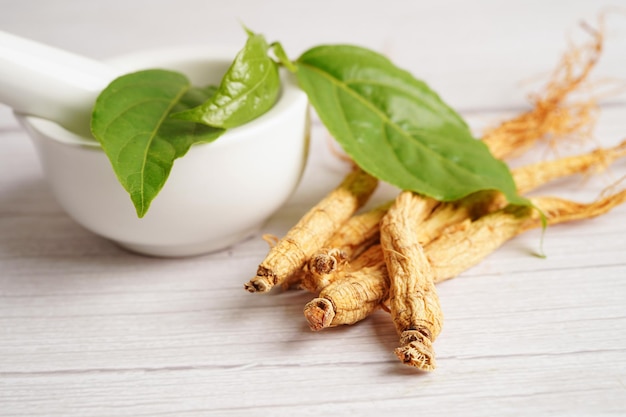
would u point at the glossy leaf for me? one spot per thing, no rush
(396, 128)
(249, 88)
(131, 121)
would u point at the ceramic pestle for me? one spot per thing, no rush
(44, 81)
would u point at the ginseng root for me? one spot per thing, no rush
(352, 298)
(392, 256)
(532, 176)
(361, 292)
(337, 263)
(453, 219)
(290, 253)
(454, 253)
(447, 217)
(353, 238)
(413, 299)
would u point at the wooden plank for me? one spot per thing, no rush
(87, 328)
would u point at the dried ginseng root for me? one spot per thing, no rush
(353, 238)
(551, 116)
(343, 252)
(532, 176)
(527, 178)
(352, 299)
(363, 291)
(413, 299)
(290, 253)
(456, 252)
(450, 218)
(359, 232)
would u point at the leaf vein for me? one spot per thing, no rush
(381, 114)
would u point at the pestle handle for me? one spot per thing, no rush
(47, 82)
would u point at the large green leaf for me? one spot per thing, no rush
(131, 121)
(396, 128)
(249, 88)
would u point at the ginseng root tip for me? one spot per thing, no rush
(326, 262)
(319, 313)
(416, 351)
(258, 284)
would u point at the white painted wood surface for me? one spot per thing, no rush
(87, 329)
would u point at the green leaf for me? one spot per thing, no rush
(249, 88)
(282, 57)
(130, 120)
(396, 128)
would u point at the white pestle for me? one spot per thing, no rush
(47, 82)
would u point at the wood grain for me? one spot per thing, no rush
(88, 329)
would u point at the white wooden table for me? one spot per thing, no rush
(87, 329)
